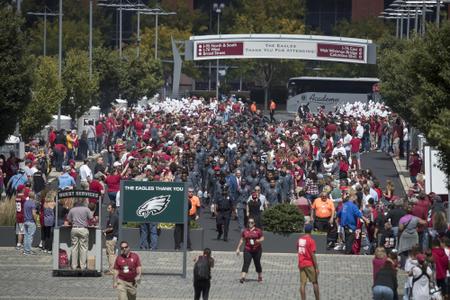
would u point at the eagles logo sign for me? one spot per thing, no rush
(153, 206)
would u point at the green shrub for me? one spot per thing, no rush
(283, 219)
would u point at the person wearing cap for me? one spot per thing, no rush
(421, 276)
(307, 262)
(65, 180)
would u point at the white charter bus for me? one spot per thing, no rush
(329, 92)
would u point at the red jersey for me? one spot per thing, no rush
(95, 186)
(355, 145)
(306, 246)
(99, 129)
(19, 209)
(127, 266)
(113, 182)
(250, 237)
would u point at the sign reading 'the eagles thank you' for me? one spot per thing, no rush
(145, 201)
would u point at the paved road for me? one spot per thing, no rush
(341, 277)
(383, 167)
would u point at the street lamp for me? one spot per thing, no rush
(148, 11)
(44, 14)
(60, 15)
(121, 6)
(218, 9)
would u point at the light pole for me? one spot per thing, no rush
(90, 39)
(218, 9)
(121, 7)
(148, 11)
(45, 14)
(58, 122)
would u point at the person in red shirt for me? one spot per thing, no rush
(127, 272)
(20, 226)
(355, 146)
(99, 134)
(307, 262)
(440, 259)
(253, 237)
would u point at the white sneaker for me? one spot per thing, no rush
(19, 247)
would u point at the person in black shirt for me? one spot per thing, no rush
(394, 216)
(385, 284)
(111, 233)
(224, 207)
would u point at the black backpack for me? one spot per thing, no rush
(202, 270)
(38, 182)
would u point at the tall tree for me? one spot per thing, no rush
(143, 77)
(15, 77)
(416, 83)
(81, 91)
(112, 75)
(48, 92)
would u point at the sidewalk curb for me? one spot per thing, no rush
(400, 170)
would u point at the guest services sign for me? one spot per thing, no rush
(280, 48)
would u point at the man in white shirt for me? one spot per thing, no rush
(360, 130)
(85, 175)
(339, 149)
(347, 139)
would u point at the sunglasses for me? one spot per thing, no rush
(123, 248)
(251, 222)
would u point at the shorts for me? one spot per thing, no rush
(20, 228)
(308, 274)
(356, 155)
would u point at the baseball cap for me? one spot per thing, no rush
(420, 258)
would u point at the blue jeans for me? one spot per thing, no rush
(384, 144)
(91, 145)
(112, 197)
(148, 234)
(381, 292)
(30, 229)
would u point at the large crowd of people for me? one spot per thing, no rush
(237, 163)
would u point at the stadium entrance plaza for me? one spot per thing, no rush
(341, 277)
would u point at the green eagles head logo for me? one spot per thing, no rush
(153, 206)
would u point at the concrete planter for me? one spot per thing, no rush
(278, 243)
(165, 239)
(8, 236)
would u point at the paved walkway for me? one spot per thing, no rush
(341, 277)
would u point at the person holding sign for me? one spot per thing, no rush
(127, 272)
(253, 238)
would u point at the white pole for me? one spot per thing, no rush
(90, 39)
(45, 32)
(138, 33)
(217, 62)
(58, 122)
(156, 36)
(120, 29)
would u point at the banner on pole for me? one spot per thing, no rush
(145, 201)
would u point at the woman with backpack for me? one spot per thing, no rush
(202, 274)
(421, 275)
